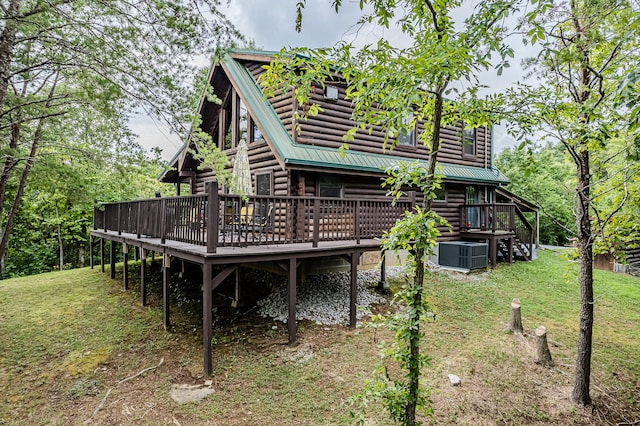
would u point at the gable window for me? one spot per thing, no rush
(469, 141)
(407, 137)
(330, 186)
(263, 184)
(256, 134)
(235, 123)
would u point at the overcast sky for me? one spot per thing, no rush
(271, 26)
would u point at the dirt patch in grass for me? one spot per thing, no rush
(62, 372)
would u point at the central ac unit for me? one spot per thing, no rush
(463, 254)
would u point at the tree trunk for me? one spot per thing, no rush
(7, 39)
(515, 323)
(25, 174)
(414, 340)
(581, 386)
(543, 353)
(59, 232)
(418, 281)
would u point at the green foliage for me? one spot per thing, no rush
(546, 176)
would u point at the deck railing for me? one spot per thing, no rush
(499, 217)
(254, 220)
(488, 217)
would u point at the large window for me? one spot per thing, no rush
(263, 184)
(330, 186)
(236, 124)
(469, 141)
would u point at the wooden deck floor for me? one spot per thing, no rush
(251, 253)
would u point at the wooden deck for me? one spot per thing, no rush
(283, 231)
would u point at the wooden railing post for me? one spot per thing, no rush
(212, 217)
(356, 222)
(139, 219)
(163, 220)
(119, 219)
(512, 217)
(316, 222)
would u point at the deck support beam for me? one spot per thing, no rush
(91, 244)
(166, 263)
(112, 259)
(102, 255)
(355, 256)
(207, 302)
(493, 251)
(292, 299)
(143, 276)
(208, 285)
(125, 266)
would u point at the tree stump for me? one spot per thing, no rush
(515, 324)
(544, 355)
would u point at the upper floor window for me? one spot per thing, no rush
(407, 137)
(469, 141)
(236, 124)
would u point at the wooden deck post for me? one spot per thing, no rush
(212, 217)
(143, 276)
(355, 256)
(356, 222)
(493, 251)
(112, 259)
(383, 286)
(316, 222)
(125, 266)
(119, 219)
(102, 255)
(91, 241)
(206, 317)
(166, 263)
(292, 298)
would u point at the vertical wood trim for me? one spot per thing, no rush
(221, 129)
(165, 291)
(207, 294)
(143, 276)
(234, 118)
(294, 122)
(292, 297)
(354, 289)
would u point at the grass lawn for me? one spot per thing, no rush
(69, 337)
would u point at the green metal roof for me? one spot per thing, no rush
(300, 155)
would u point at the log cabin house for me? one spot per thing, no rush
(310, 203)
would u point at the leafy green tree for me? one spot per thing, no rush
(107, 58)
(546, 177)
(393, 88)
(587, 45)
